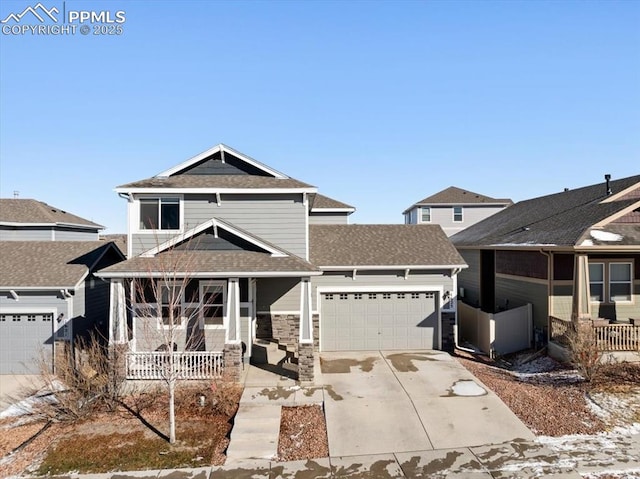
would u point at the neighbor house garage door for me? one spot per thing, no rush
(379, 321)
(24, 338)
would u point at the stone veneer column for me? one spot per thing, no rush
(233, 361)
(305, 362)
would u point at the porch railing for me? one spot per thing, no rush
(559, 329)
(609, 337)
(186, 365)
(617, 337)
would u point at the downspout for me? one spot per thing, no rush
(454, 276)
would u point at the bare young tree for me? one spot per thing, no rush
(171, 306)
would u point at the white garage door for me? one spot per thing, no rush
(24, 338)
(379, 321)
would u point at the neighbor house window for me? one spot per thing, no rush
(426, 214)
(160, 214)
(596, 282)
(457, 214)
(610, 282)
(619, 282)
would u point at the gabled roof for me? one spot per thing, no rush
(210, 264)
(560, 219)
(402, 246)
(25, 212)
(217, 182)
(457, 196)
(221, 169)
(48, 264)
(321, 202)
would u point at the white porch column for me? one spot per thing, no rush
(232, 335)
(306, 317)
(117, 312)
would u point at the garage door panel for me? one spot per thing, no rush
(369, 321)
(24, 339)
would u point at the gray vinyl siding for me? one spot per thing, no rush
(563, 304)
(25, 234)
(149, 336)
(277, 294)
(328, 218)
(469, 278)
(443, 216)
(519, 293)
(75, 235)
(95, 311)
(278, 219)
(562, 301)
(28, 233)
(343, 279)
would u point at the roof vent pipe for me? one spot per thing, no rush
(607, 178)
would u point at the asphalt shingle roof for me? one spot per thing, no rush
(321, 202)
(559, 219)
(216, 181)
(381, 245)
(23, 210)
(47, 263)
(210, 262)
(454, 196)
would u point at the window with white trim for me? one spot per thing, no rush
(611, 282)
(426, 214)
(620, 282)
(457, 214)
(159, 214)
(213, 303)
(171, 304)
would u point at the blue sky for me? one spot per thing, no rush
(379, 104)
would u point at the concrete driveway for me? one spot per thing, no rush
(393, 402)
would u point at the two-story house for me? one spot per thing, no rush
(545, 251)
(274, 260)
(454, 209)
(48, 294)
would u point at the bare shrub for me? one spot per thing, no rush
(583, 349)
(88, 378)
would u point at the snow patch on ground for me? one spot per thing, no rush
(467, 387)
(543, 370)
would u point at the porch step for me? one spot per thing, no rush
(255, 433)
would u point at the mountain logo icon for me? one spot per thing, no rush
(38, 11)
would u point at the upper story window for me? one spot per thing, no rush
(457, 214)
(426, 214)
(160, 213)
(610, 282)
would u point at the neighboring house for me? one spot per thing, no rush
(526, 254)
(33, 220)
(48, 293)
(280, 262)
(454, 209)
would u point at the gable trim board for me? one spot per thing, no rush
(215, 223)
(615, 216)
(222, 148)
(213, 190)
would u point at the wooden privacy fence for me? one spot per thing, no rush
(186, 365)
(609, 337)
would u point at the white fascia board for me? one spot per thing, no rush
(615, 216)
(205, 274)
(213, 222)
(332, 210)
(209, 190)
(409, 209)
(221, 147)
(391, 267)
(36, 288)
(68, 225)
